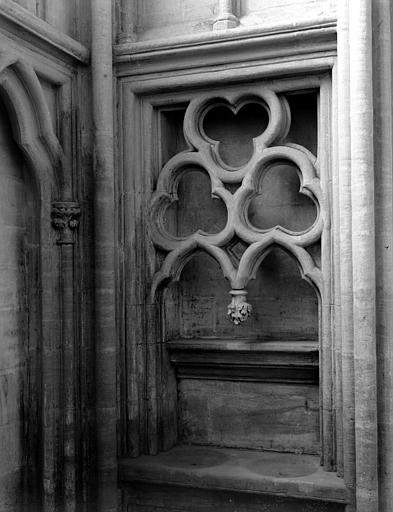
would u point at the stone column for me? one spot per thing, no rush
(363, 251)
(383, 163)
(345, 243)
(65, 219)
(104, 231)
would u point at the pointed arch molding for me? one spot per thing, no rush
(269, 147)
(32, 127)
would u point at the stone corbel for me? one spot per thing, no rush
(239, 310)
(65, 219)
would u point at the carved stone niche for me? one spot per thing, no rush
(238, 219)
(239, 199)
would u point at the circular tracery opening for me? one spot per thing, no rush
(279, 202)
(233, 130)
(195, 208)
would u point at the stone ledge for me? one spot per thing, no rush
(281, 475)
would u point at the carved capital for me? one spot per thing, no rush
(65, 219)
(239, 310)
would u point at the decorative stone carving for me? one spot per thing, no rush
(204, 153)
(239, 310)
(65, 219)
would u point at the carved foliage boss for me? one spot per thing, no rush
(268, 148)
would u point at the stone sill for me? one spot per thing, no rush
(235, 470)
(294, 362)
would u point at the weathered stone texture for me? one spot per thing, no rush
(13, 314)
(88, 368)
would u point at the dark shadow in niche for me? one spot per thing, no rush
(196, 306)
(195, 209)
(235, 131)
(304, 120)
(171, 132)
(285, 306)
(315, 252)
(279, 202)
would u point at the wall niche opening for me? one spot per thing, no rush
(170, 132)
(237, 388)
(304, 120)
(232, 387)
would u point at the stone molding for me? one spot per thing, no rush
(65, 219)
(288, 42)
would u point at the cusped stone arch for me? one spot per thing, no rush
(176, 260)
(256, 253)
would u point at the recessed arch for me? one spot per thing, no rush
(256, 252)
(33, 134)
(25, 102)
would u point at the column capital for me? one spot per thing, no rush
(65, 217)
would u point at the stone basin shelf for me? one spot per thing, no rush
(229, 478)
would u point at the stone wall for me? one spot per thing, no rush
(46, 384)
(14, 315)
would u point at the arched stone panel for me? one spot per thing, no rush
(47, 289)
(19, 318)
